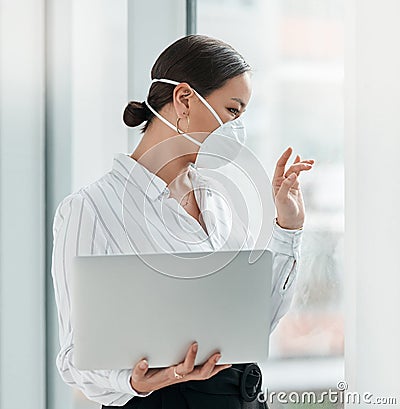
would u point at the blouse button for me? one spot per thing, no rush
(164, 193)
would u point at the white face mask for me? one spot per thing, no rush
(221, 146)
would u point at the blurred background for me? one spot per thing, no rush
(78, 63)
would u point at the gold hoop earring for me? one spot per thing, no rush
(177, 125)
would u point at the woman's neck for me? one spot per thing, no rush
(164, 153)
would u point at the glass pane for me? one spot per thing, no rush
(295, 48)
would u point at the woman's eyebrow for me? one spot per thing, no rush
(242, 104)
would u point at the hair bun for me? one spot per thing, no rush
(147, 110)
(135, 113)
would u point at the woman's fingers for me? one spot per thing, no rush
(297, 168)
(144, 380)
(138, 377)
(219, 368)
(287, 184)
(207, 368)
(187, 365)
(204, 371)
(212, 368)
(150, 380)
(280, 165)
(141, 368)
(297, 159)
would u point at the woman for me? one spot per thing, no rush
(157, 199)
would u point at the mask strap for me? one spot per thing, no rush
(209, 107)
(198, 95)
(191, 139)
(161, 118)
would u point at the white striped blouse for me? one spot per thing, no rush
(128, 210)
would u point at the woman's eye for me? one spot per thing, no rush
(233, 110)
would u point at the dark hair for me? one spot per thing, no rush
(203, 62)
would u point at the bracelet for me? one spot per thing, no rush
(276, 221)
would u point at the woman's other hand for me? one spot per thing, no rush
(144, 380)
(286, 189)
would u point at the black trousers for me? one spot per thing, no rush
(237, 387)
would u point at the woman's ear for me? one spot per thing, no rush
(182, 94)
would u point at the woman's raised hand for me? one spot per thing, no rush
(145, 380)
(286, 190)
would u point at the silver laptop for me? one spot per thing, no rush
(128, 307)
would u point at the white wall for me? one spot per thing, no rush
(153, 25)
(372, 196)
(99, 38)
(22, 268)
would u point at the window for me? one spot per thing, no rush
(295, 48)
